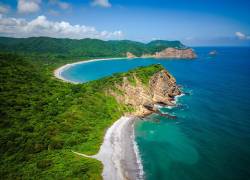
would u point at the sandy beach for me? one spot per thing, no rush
(119, 153)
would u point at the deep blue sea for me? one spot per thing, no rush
(210, 139)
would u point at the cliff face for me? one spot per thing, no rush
(176, 53)
(173, 53)
(161, 88)
(169, 53)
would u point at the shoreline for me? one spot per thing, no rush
(58, 71)
(119, 153)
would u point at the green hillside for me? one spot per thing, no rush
(82, 48)
(43, 119)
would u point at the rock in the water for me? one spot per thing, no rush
(212, 53)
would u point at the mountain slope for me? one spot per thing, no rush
(84, 47)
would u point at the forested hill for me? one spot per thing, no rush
(84, 47)
(42, 120)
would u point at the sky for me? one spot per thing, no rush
(193, 22)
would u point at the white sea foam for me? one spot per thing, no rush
(169, 107)
(157, 106)
(176, 98)
(138, 157)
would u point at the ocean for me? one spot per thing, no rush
(210, 139)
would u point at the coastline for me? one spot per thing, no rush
(119, 152)
(58, 71)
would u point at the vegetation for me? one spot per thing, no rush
(43, 119)
(143, 73)
(65, 48)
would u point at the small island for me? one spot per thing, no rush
(213, 53)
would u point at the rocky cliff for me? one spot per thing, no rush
(173, 53)
(161, 88)
(176, 53)
(169, 53)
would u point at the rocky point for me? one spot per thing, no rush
(161, 89)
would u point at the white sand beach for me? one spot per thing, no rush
(119, 153)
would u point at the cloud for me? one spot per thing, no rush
(4, 9)
(101, 3)
(242, 36)
(28, 6)
(62, 5)
(41, 26)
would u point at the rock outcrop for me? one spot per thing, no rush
(212, 53)
(176, 53)
(161, 89)
(130, 55)
(173, 53)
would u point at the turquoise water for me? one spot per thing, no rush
(210, 139)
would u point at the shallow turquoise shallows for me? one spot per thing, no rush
(210, 139)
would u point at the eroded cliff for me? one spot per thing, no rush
(142, 95)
